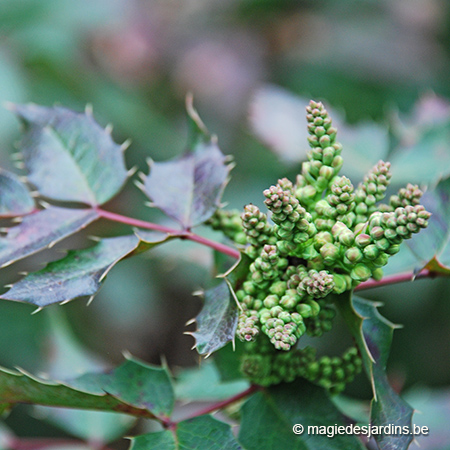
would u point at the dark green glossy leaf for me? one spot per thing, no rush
(373, 335)
(200, 433)
(189, 188)
(41, 230)
(133, 387)
(65, 357)
(204, 383)
(268, 418)
(15, 198)
(135, 383)
(69, 157)
(228, 361)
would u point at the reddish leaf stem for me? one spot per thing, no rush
(223, 404)
(425, 273)
(222, 248)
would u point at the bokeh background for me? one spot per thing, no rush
(251, 65)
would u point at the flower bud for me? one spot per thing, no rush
(360, 273)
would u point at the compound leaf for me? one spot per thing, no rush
(373, 335)
(133, 387)
(69, 157)
(42, 229)
(189, 188)
(199, 433)
(15, 198)
(268, 418)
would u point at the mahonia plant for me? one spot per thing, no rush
(298, 265)
(323, 238)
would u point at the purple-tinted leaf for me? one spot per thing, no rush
(42, 229)
(217, 321)
(69, 157)
(432, 245)
(373, 335)
(189, 188)
(78, 274)
(15, 198)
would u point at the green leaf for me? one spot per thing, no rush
(373, 335)
(135, 383)
(69, 157)
(200, 433)
(189, 188)
(268, 418)
(228, 361)
(66, 357)
(204, 383)
(42, 229)
(133, 388)
(78, 274)
(15, 198)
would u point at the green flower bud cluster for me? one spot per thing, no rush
(265, 366)
(335, 373)
(230, 224)
(323, 237)
(372, 190)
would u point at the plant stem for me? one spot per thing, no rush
(369, 284)
(220, 405)
(222, 248)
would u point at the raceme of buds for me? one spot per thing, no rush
(321, 239)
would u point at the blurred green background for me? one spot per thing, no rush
(249, 63)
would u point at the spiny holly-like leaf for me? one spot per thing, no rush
(15, 198)
(268, 418)
(134, 388)
(189, 188)
(373, 335)
(217, 321)
(69, 157)
(135, 383)
(79, 273)
(64, 357)
(42, 229)
(200, 433)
